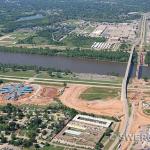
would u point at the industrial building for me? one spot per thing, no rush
(101, 45)
(115, 33)
(105, 45)
(93, 120)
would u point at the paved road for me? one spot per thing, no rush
(125, 102)
(128, 120)
(124, 98)
(142, 42)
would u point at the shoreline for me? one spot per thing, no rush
(63, 56)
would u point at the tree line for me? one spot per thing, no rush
(104, 55)
(37, 69)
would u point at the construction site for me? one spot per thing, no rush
(142, 138)
(129, 103)
(111, 106)
(15, 91)
(137, 116)
(24, 93)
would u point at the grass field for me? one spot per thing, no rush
(20, 35)
(95, 93)
(75, 77)
(147, 111)
(43, 76)
(51, 147)
(81, 41)
(28, 73)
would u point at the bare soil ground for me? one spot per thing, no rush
(139, 119)
(109, 107)
(48, 92)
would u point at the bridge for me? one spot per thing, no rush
(124, 93)
(124, 133)
(140, 62)
(124, 100)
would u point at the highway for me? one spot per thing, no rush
(124, 133)
(140, 64)
(124, 100)
(141, 44)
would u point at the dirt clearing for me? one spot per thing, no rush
(71, 98)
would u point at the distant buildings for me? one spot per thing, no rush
(115, 34)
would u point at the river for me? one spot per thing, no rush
(72, 64)
(63, 63)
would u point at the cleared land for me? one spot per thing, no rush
(137, 114)
(71, 98)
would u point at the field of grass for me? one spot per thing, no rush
(69, 41)
(74, 77)
(51, 147)
(147, 111)
(28, 73)
(89, 29)
(20, 35)
(40, 40)
(95, 93)
(16, 36)
(43, 76)
(81, 41)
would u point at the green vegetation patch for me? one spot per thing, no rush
(147, 111)
(118, 56)
(24, 124)
(52, 147)
(9, 72)
(125, 46)
(82, 41)
(95, 93)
